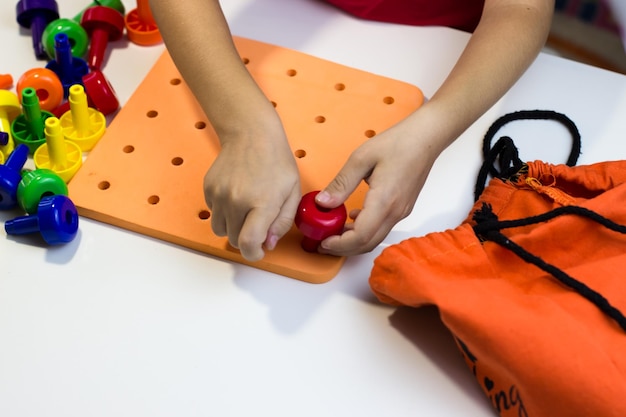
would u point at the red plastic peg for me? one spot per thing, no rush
(104, 25)
(317, 223)
(100, 93)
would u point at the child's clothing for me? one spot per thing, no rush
(460, 14)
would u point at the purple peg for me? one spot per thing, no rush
(35, 15)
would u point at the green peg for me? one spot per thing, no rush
(28, 128)
(37, 184)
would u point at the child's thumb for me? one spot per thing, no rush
(338, 190)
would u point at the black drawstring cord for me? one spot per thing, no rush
(505, 152)
(488, 227)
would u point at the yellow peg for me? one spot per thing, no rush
(9, 110)
(57, 154)
(82, 124)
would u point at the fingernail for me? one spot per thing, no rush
(322, 197)
(271, 242)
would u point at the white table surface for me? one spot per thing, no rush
(119, 324)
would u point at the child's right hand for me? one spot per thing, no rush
(253, 191)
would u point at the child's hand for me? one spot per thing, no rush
(253, 191)
(395, 165)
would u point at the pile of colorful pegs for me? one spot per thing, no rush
(58, 112)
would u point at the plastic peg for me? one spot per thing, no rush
(6, 81)
(67, 67)
(28, 127)
(317, 223)
(47, 86)
(79, 40)
(37, 184)
(100, 93)
(56, 220)
(82, 125)
(114, 4)
(141, 28)
(57, 154)
(104, 25)
(35, 15)
(10, 176)
(9, 110)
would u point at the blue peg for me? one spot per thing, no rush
(10, 176)
(56, 220)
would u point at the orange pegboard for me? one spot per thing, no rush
(146, 173)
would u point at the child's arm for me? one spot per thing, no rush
(252, 189)
(395, 163)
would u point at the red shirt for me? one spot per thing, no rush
(460, 14)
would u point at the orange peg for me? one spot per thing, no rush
(141, 28)
(6, 81)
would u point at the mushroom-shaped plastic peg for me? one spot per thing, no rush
(37, 184)
(10, 177)
(317, 223)
(79, 40)
(114, 4)
(57, 154)
(47, 86)
(56, 220)
(67, 67)
(100, 93)
(28, 127)
(35, 15)
(6, 81)
(82, 125)
(141, 28)
(104, 25)
(9, 110)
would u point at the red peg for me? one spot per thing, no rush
(317, 223)
(104, 25)
(100, 93)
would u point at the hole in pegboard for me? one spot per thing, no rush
(152, 114)
(177, 161)
(320, 119)
(291, 72)
(128, 149)
(176, 81)
(245, 60)
(274, 104)
(300, 153)
(200, 125)
(388, 100)
(153, 200)
(104, 185)
(340, 86)
(370, 133)
(204, 214)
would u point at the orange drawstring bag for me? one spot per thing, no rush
(531, 284)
